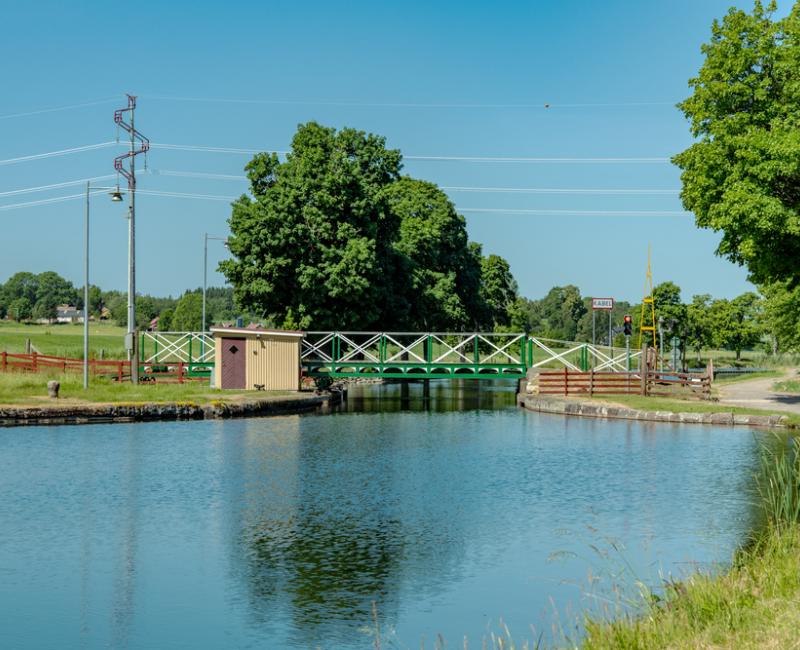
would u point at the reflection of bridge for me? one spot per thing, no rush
(409, 355)
(433, 355)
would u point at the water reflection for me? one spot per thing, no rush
(443, 507)
(434, 395)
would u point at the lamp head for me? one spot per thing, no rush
(116, 196)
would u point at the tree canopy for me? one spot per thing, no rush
(335, 238)
(742, 176)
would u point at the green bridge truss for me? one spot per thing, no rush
(428, 355)
(402, 355)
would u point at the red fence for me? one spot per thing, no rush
(663, 384)
(112, 369)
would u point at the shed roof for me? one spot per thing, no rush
(254, 331)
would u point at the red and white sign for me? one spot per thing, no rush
(603, 303)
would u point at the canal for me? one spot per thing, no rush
(446, 512)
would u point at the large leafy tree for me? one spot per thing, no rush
(188, 315)
(335, 238)
(742, 176)
(498, 290)
(313, 246)
(782, 315)
(439, 283)
(736, 322)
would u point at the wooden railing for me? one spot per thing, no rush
(117, 370)
(660, 383)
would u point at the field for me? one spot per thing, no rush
(27, 389)
(64, 340)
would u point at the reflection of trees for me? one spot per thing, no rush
(331, 568)
(437, 395)
(333, 517)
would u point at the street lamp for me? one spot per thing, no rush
(116, 197)
(206, 237)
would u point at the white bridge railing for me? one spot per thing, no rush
(489, 348)
(173, 347)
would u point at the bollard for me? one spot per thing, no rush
(52, 388)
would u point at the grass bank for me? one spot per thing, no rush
(787, 386)
(23, 389)
(756, 604)
(688, 406)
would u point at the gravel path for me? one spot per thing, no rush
(758, 393)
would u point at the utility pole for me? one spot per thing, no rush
(139, 145)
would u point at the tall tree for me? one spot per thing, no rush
(316, 238)
(782, 315)
(742, 176)
(438, 280)
(498, 290)
(736, 322)
(188, 316)
(699, 324)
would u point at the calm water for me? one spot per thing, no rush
(282, 532)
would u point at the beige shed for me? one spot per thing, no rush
(255, 359)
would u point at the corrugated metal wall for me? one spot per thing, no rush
(273, 361)
(218, 362)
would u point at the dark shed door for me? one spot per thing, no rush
(233, 363)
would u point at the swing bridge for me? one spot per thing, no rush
(406, 355)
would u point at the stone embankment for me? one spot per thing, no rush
(140, 412)
(594, 410)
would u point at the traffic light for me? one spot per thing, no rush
(627, 326)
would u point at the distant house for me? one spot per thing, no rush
(68, 314)
(105, 313)
(153, 325)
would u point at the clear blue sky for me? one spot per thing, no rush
(611, 71)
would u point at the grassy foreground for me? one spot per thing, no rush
(756, 604)
(24, 389)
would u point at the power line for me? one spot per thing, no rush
(485, 159)
(56, 199)
(302, 102)
(54, 109)
(553, 190)
(469, 189)
(236, 150)
(597, 213)
(54, 186)
(188, 195)
(455, 188)
(510, 211)
(62, 152)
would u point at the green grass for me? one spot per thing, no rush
(28, 389)
(64, 340)
(787, 386)
(756, 604)
(753, 605)
(689, 406)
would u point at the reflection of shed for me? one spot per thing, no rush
(257, 358)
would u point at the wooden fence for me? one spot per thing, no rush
(112, 369)
(661, 383)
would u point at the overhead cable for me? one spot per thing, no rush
(303, 102)
(62, 152)
(485, 159)
(54, 109)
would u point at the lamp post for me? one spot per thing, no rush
(116, 197)
(206, 237)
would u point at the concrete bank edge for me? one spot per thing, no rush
(141, 412)
(593, 410)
